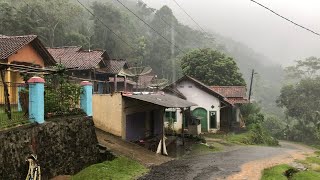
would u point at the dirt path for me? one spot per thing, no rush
(246, 162)
(253, 169)
(121, 147)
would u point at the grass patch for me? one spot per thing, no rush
(313, 163)
(18, 118)
(215, 136)
(276, 172)
(120, 168)
(317, 153)
(204, 149)
(306, 175)
(317, 146)
(255, 135)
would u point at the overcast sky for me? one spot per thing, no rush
(246, 22)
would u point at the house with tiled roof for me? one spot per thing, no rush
(218, 107)
(234, 94)
(90, 64)
(25, 50)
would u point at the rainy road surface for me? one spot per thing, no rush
(245, 162)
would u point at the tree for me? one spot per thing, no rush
(302, 102)
(310, 67)
(212, 68)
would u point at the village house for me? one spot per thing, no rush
(134, 117)
(23, 51)
(93, 65)
(218, 107)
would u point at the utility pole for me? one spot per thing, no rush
(251, 84)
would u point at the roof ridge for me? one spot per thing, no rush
(62, 47)
(227, 86)
(21, 36)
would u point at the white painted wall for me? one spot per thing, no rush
(176, 125)
(202, 99)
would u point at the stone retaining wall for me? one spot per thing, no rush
(64, 146)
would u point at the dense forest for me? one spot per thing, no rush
(109, 25)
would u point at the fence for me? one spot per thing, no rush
(11, 113)
(22, 103)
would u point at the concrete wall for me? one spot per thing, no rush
(63, 146)
(27, 54)
(177, 126)
(153, 115)
(108, 113)
(201, 98)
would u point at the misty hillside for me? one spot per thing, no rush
(114, 28)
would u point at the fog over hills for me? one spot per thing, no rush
(250, 24)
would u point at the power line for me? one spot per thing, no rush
(105, 25)
(168, 24)
(150, 26)
(189, 16)
(285, 18)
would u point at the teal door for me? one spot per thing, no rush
(202, 114)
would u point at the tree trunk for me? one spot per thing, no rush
(6, 93)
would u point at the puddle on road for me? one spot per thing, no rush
(176, 149)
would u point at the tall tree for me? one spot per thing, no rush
(212, 68)
(309, 67)
(302, 102)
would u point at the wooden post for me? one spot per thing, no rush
(125, 83)
(115, 83)
(6, 93)
(182, 133)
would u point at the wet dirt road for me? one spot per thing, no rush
(245, 162)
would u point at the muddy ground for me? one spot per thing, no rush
(245, 162)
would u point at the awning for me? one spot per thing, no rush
(164, 100)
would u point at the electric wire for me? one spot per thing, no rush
(149, 26)
(189, 16)
(296, 24)
(119, 37)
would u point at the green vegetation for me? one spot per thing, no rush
(212, 68)
(256, 136)
(18, 118)
(276, 172)
(284, 171)
(255, 133)
(119, 168)
(198, 149)
(307, 175)
(312, 163)
(66, 23)
(61, 97)
(303, 117)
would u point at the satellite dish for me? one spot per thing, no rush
(135, 71)
(156, 83)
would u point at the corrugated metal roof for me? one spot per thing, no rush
(164, 100)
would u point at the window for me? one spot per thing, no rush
(190, 86)
(181, 86)
(213, 119)
(170, 116)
